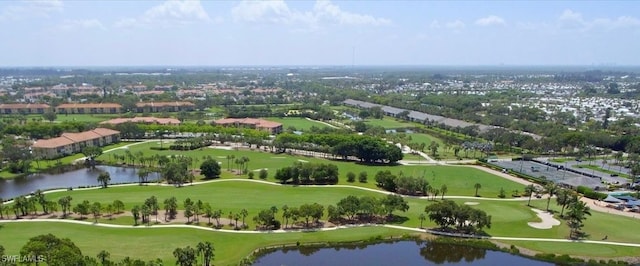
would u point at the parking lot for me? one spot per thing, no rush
(551, 173)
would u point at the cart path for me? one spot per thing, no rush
(310, 230)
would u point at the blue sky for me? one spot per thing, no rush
(212, 33)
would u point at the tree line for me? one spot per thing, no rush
(365, 148)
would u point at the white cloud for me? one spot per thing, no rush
(30, 9)
(169, 13)
(327, 10)
(278, 11)
(74, 24)
(456, 25)
(570, 19)
(490, 21)
(435, 24)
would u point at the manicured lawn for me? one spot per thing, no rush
(600, 169)
(509, 218)
(300, 123)
(156, 242)
(460, 180)
(389, 123)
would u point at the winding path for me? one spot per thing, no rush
(309, 230)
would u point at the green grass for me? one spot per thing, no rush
(390, 123)
(160, 242)
(578, 249)
(509, 218)
(300, 123)
(600, 169)
(460, 180)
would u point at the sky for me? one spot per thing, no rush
(315, 33)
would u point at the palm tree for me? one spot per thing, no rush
(477, 186)
(551, 189)
(530, 189)
(422, 217)
(104, 179)
(564, 198)
(103, 256)
(578, 211)
(143, 173)
(206, 250)
(244, 214)
(443, 189)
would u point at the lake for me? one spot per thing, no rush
(395, 253)
(83, 177)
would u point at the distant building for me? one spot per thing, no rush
(259, 124)
(155, 107)
(23, 108)
(72, 143)
(89, 108)
(143, 120)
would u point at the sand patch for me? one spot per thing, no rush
(547, 220)
(221, 147)
(277, 157)
(223, 157)
(471, 203)
(260, 169)
(303, 161)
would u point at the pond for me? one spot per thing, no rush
(76, 178)
(395, 253)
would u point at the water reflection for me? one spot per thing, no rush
(76, 178)
(440, 253)
(394, 253)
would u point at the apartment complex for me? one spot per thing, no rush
(153, 107)
(260, 124)
(71, 143)
(89, 108)
(23, 108)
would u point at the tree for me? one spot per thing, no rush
(206, 250)
(185, 256)
(104, 178)
(263, 174)
(135, 211)
(50, 116)
(152, 203)
(91, 152)
(530, 189)
(576, 215)
(82, 208)
(103, 256)
(422, 217)
(210, 168)
(362, 177)
(443, 190)
(244, 213)
(394, 202)
(351, 177)
(143, 173)
(477, 186)
(118, 206)
(52, 250)
(96, 210)
(65, 204)
(564, 197)
(551, 189)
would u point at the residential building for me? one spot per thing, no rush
(154, 107)
(23, 108)
(71, 143)
(259, 124)
(89, 108)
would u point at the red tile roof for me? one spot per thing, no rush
(71, 138)
(90, 105)
(163, 104)
(23, 105)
